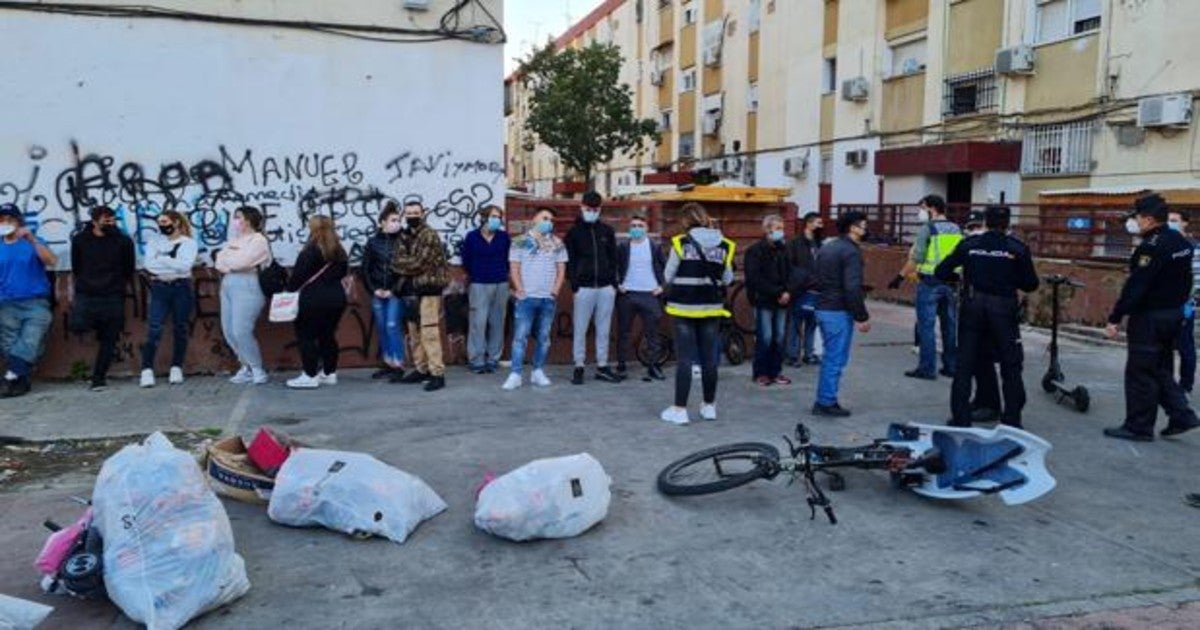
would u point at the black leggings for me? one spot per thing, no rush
(696, 338)
(316, 333)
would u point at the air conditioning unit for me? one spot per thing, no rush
(856, 158)
(712, 56)
(1016, 60)
(656, 77)
(731, 165)
(710, 124)
(1169, 110)
(795, 166)
(912, 65)
(855, 89)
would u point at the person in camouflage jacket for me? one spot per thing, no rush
(422, 274)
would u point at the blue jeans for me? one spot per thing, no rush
(802, 328)
(1187, 353)
(389, 323)
(173, 299)
(837, 331)
(534, 315)
(932, 295)
(23, 326)
(770, 326)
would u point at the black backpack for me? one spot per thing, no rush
(273, 278)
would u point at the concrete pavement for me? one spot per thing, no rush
(1113, 535)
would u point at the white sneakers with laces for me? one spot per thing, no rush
(176, 375)
(539, 378)
(258, 376)
(675, 415)
(512, 382)
(147, 378)
(304, 381)
(327, 379)
(243, 376)
(708, 412)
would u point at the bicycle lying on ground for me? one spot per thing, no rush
(934, 461)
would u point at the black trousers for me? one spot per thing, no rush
(988, 324)
(643, 305)
(987, 386)
(104, 315)
(696, 338)
(1150, 372)
(316, 333)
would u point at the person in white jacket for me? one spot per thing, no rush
(168, 261)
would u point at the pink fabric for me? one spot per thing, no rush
(244, 253)
(60, 543)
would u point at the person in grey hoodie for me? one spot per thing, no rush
(841, 307)
(699, 269)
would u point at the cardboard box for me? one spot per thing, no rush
(230, 472)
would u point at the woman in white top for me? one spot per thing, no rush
(242, 299)
(168, 261)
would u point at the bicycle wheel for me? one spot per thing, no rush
(647, 357)
(735, 346)
(719, 468)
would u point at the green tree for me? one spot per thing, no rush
(578, 108)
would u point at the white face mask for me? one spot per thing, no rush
(6, 229)
(922, 216)
(1131, 226)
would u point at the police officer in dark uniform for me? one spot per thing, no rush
(994, 267)
(1160, 279)
(985, 403)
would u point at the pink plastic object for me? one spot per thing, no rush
(59, 544)
(488, 477)
(268, 450)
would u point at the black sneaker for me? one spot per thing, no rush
(382, 373)
(985, 415)
(1176, 429)
(812, 360)
(656, 373)
(921, 375)
(99, 384)
(946, 373)
(17, 387)
(1121, 433)
(606, 374)
(397, 376)
(832, 411)
(435, 383)
(793, 363)
(622, 369)
(414, 376)
(577, 376)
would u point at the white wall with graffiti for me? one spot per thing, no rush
(147, 115)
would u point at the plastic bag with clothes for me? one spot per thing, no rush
(558, 497)
(352, 493)
(21, 614)
(168, 547)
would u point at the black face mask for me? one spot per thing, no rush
(412, 223)
(109, 229)
(818, 233)
(167, 230)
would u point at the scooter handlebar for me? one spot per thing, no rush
(1057, 278)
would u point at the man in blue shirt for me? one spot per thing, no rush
(485, 260)
(24, 300)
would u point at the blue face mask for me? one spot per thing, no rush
(637, 233)
(776, 235)
(495, 224)
(1175, 225)
(591, 215)
(545, 227)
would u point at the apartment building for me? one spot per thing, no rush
(882, 101)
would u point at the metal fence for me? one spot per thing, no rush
(1075, 232)
(1058, 149)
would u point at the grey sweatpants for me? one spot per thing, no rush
(591, 303)
(242, 302)
(489, 304)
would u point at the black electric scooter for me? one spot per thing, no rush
(1054, 380)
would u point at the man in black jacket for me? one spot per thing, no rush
(768, 274)
(1160, 281)
(102, 264)
(841, 307)
(640, 265)
(802, 325)
(592, 272)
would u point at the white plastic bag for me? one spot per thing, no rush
(21, 614)
(352, 493)
(547, 498)
(168, 547)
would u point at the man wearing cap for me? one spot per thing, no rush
(102, 263)
(1160, 279)
(25, 289)
(985, 403)
(994, 267)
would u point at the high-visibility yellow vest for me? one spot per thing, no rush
(944, 236)
(693, 292)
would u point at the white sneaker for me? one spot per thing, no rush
(327, 379)
(674, 415)
(258, 376)
(539, 378)
(176, 376)
(304, 381)
(512, 382)
(243, 376)
(708, 412)
(696, 371)
(147, 378)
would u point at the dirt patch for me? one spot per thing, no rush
(23, 463)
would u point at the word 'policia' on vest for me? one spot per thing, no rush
(698, 289)
(944, 236)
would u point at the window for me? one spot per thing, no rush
(687, 145)
(752, 98)
(829, 76)
(664, 121)
(687, 80)
(969, 93)
(907, 58)
(1057, 19)
(1057, 149)
(689, 15)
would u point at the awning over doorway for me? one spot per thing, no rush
(957, 157)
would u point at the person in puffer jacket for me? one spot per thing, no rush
(380, 280)
(422, 274)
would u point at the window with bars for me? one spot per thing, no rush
(1058, 149)
(687, 145)
(969, 93)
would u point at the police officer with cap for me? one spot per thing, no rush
(1160, 279)
(994, 267)
(985, 404)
